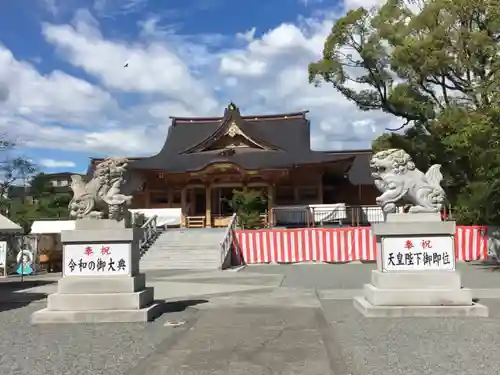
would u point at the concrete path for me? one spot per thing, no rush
(237, 341)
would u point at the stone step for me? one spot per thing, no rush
(168, 265)
(166, 258)
(188, 250)
(181, 260)
(185, 249)
(175, 261)
(204, 244)
(183, 267)
(182, 257)
(198, 241)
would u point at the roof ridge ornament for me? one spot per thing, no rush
(232, 111)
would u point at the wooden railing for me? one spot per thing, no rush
(227, 243)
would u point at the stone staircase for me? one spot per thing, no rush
(184, 249)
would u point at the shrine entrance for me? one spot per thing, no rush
(197, 202)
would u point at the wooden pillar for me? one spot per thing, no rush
(208, 206)
(320, 192)
(295, 194)
(320, 187)
(270, 204)
(183, 205)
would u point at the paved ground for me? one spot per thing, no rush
(290, 319)
(354, 275)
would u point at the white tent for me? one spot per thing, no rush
(51, 226)
(165, 216)
(8, 226)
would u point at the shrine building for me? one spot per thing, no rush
(204, 159)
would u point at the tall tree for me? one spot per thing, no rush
(45, 202)
(435, 64)
(15, 171)
(50, 201)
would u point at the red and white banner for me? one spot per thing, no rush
(337, 245)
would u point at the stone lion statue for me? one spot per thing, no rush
(396, 177)
(105, 196)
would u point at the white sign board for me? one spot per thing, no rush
(3, 257)
(418, 253)
(97, 259)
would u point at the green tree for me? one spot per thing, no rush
(249, 204)
(45, 202)
(49, 201)
(15, 172)
(435, 65)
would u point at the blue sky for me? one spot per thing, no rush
(65, 95)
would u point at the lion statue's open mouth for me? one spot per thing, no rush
(376, 170)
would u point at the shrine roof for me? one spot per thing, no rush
(277, 140)
(273, 141)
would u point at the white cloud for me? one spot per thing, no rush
(308, 3)
(172, 75)
(53, 97)
(247, 36)
(112, 8)
(152, 69)
(51, 163)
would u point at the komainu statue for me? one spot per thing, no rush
(397, 178)
(105, 195)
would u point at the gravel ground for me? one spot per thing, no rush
(367, 346)
(425, 346)
(353, 276)
(74, 349)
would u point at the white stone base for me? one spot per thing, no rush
(417, 297)
(107, 301)
(147, 314)
(371, 311)
(417, 294)
(100, 300)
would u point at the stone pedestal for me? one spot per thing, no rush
(101, 281)
(416, 275)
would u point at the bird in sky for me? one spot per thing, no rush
(126, 65)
